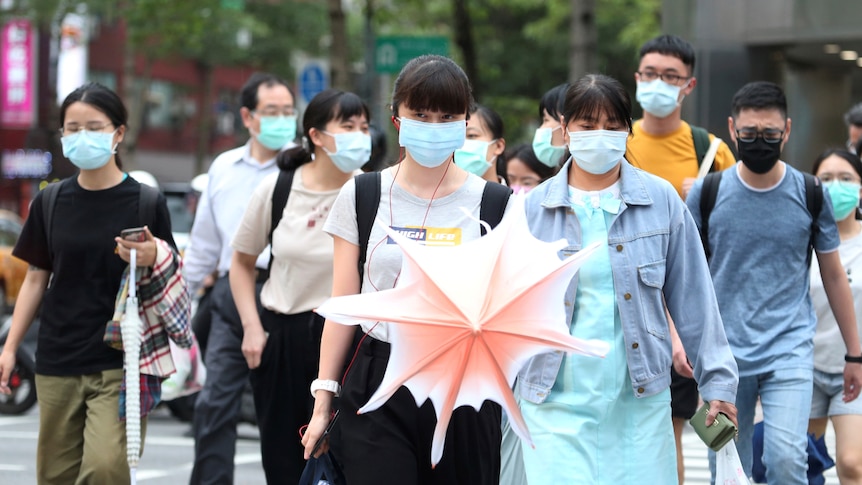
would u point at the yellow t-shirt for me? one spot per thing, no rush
(672, 156)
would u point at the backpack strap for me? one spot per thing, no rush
(367, 193)
(49, 202)
(495, 197)
(814, 204)
(280, 193)
(708, 195)
(700, 137)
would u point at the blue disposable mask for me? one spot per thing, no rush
(276, 131)
(472, 156)
(658, 98)
(89, 150)
(431, 144)
(844, 196)
(352, 150)
(548, 154)
(597, 151)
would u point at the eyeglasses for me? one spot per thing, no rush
(841, 177)
(271, 112)
(667, 77)
(769, 135)
(94, 127)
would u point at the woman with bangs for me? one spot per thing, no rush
(608, 421)
(426, 189)
(281, 341)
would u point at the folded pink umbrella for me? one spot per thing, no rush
(465, 319)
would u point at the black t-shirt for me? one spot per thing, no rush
(79, 301)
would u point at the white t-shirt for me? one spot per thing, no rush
(301, 275)
(445, 225)
(829, 347)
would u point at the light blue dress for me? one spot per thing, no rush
(592, 429)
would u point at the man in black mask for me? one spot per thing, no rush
(759, 230)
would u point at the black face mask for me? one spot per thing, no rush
(758, 155)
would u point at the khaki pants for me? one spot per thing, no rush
(81, 439)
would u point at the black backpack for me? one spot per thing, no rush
(813, 202)
(494, 200)
(493, 205)
(148, 199)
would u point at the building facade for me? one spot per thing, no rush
(811, 48)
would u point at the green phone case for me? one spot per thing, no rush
(718, 434)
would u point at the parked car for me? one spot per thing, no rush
(12, 269)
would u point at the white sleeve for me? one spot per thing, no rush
(201, 256)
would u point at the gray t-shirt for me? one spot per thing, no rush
(758, 240)
(445, 224)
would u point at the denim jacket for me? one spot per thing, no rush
(656, 256)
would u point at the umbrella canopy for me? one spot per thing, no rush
(131, 330)
(467, 318)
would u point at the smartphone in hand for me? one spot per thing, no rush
(325, 434)
(135, 234)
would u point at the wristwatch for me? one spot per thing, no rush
(326, 385)
(852, 359)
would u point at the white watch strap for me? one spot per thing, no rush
(325, 385)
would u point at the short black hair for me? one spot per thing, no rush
(248, 94)
(851, 158)
(671, 45)
(552, 101)
(434, 83)
(854, 115)
(759, 95)
(595, 94)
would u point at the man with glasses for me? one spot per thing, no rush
(268, 113)
(665, 145)
(758, 234)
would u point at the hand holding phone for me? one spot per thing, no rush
(325, 434)
(135, 234)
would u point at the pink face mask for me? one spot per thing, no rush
(520, 189)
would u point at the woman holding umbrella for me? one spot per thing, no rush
(78, 376)
(607, 421)
(425, 190)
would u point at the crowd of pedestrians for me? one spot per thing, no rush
(720, 278)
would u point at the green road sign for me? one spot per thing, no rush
(392, 52)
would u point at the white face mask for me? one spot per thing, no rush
(658, 98)
(597, 151)
(431, 144)
(352, 150)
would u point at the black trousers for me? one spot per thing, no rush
(217, 406)
(281, 384)
(393, 443)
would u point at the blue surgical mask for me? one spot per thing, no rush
(276, 131)
(844, 196)
(431, 144)
(89, 150)
(352, 150)
(658, 98)
(548, 154)
(472, 156)
(597, 151)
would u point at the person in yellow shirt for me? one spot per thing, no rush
(664, 145)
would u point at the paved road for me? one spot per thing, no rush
(168, 454)
(697, 465)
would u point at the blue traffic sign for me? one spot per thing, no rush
(312, 79)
